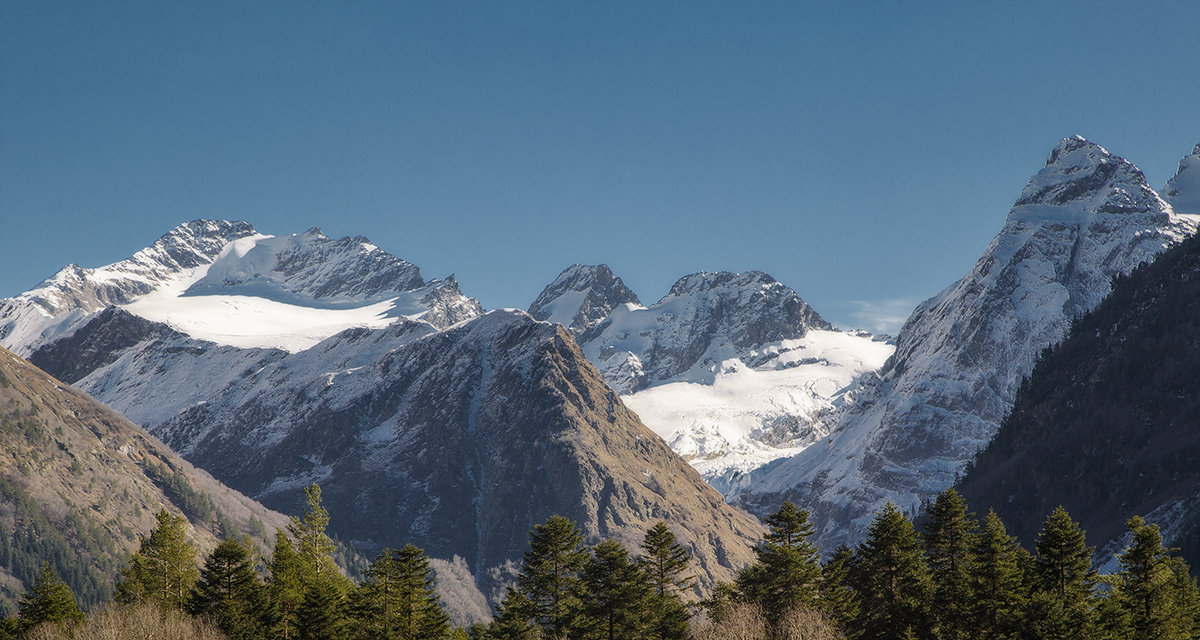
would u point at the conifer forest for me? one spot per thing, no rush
(954, 576)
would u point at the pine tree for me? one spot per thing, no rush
(1148, 585)
(322, 613)
(229, 590)
(664, 565)
(313, 545)
(788, 569)
(998, 582)
(837, 598)
(949, 539)
(1061, 604)
(286, 588)
(615, 593)
(1187, 595)
(163, 569)
(892, 579)
(549, 574)
(398, 601)
(514, 619)
(49, 600)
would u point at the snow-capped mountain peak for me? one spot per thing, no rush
(580, 296)
(1183, 189)
(1091, 180)
(223, 281)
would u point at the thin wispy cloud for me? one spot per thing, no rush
(880, 316)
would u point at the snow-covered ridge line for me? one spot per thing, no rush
(226, 283)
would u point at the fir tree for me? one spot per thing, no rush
(322, 613)
(286, 588)
(615, 593)
(998, 581)
(398, 600)
(949, 540)
(788, 570)
(163, 569)
(229, 590)
(1187, 596)
(837, 598)
(549, 575)
(514, 619)
(49, 600)
(892, 579)
(1148, 585)
(1061, 605)
(313, 545)
(664, 565)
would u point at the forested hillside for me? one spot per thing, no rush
(79, 484)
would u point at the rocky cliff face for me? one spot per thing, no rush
(1085, 218)
(79, 483)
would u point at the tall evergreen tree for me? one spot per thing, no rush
(549, 574)
(514, 619)
(322, 614)
(285, 589)
(788, 569)
(998, 582)
(664, 564)
(949, 537)
(49, 600)
(1061, 605)
(163, 569)
(313, 545)
(1147, 586)
(615, 594)
(837, 599)
(229, 590)
(1187, 595)
(892, 579)
(398, 600)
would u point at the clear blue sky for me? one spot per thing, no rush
(863, 153)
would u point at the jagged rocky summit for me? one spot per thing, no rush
(1085, 218)
(581, 296)
(733, 370)
(457, 437)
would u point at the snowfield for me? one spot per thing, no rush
(739, 417)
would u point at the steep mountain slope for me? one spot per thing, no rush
(456, 440)
(1108, 423)
(79, 483)
(1086, 217)
(732, 370)
(225, 282)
